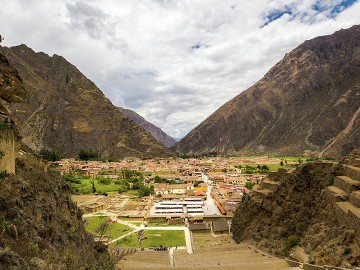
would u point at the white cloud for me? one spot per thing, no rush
(173, 61)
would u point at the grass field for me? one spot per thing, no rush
(136, 223)
(114, 229)
(154, 238)
(272, 167)
(162, 224)
(86, 187)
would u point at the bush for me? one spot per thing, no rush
(4, 174)
(347, 251)
(292, 241)
(249, 185)
(122, 188)
(4, 126)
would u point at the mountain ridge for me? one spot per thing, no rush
(41, 227)
(155, 131)
(66, 112)
(296, 108)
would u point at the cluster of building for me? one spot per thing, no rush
(185, 183)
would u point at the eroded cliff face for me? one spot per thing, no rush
(310, 212)
(40, 227)
(66, 112)
(309, 101)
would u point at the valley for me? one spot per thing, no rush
(269, 181)
(142, 226)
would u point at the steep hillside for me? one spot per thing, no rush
(315, 209)
(41, 228)
(66, 112)
(155, 131)
(310, 100)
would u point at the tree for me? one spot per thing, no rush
(88, 154)
(122, 188)
(157, 179)
(144, 191)
(49, 155)
(265, 168)
(104, 181)
(93, 186)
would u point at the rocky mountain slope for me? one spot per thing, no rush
(155, 131)
(41, 228)
(66, 112)
(310, 100)
(312, 214)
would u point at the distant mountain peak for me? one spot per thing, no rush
(155, 131)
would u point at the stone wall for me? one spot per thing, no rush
(7, 146)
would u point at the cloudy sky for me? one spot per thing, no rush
(172, 61)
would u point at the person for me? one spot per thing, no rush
(1, 38)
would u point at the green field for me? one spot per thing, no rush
(136, 223)
(154, 238)
(272, 167)
(114, 229)
(162, 224)
(86, 187)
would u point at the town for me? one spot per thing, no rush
(195, 193)
(210, 181)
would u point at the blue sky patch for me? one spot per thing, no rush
(273, 15)
(333, 10)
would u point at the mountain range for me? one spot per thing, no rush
(307, 103)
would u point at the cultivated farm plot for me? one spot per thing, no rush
(114, 229)
(154, 238)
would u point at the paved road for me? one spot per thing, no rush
(210, 207)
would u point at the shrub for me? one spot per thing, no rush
(347, 251)
(4, 174)
(292, 241)
(122, 188)
(249, 185)
(4, 126)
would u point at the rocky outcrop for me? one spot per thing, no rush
(155, 131)
(312, 211)
(40, 227)
(66, 112)
(309, 101)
